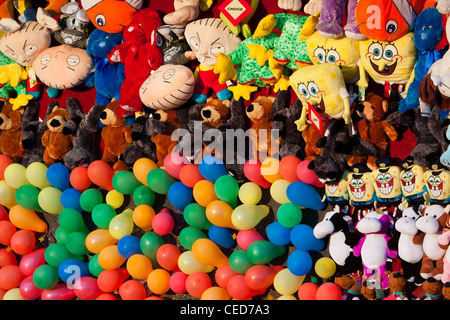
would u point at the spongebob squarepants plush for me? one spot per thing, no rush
(437, 184)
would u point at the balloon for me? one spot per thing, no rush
(278, 191)
(252, 171)
(139, 266)
(189, 235)
(219, 213)
(98, 239)
(239, 262)
(26, 219)
(227, 189)
(23, 242)
(109, 258)
(299, 262)
(86, 288)
(128, 246)
(72, 220)
(190, 175)
(207, 252)
(102, 214)
(302, 237)
(90, 198)
(132, 290)
(56, 253)
(27, 197)
(10, 277)
(101, 174)
(150, 242)
(70, 198)
(179, 195)
(13, 294)
(248, 216)
(143, 195)
(115, 199)
(7, 195)
(7, 230)
(289, 215)
(158, 281)
(142, 167)
(215, 293)
(270, 169)
(15, 175)
(195, 215)
(203, 193)
(5, 161)
(304, 196)
(28, 290)
(94, 267)
(177, 282)
(58, 176)
(263, 251)
(50, 200)
(143, 216)
(307, 291)
(125, 182)
(58, 293)
(288, 168)
(189, 264)
(223, 275)
(160, 181)
(31, 261)
(79, 178)
(122, 224)
(45, 277)
(259, 277)
(325, 267)
(167, 257)
(76, 243)
(278, 234)
(71, 269)
(246, 237)
(223, 237)
(106, 296)
(197, 283)
(211, 168)
(329, 291)
(238, 289)
(286, 283)
(307, 175)
(3, 213)
(7, 257)
(173, 163)
(111, 280)
(163, 223)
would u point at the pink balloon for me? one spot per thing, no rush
(245, 238)
(177, 282)
(307, 175)
(31, 261)
(86, 288)
(59, 292)
(252, 170)
(28, 290)
(173, 163)
(162, 223)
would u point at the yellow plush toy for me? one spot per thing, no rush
(412, 178)
(437, 184)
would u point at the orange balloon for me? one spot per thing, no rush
(270, 169)
(101, 174)
(109, 258)
(307, 291)
(158, 281)
(10, 277)
(23, 242)
(329, 291)
(7, 229)
(26, 219)
(203, 192)
(7, 257)
(79, 178)
(167, 256)
(207, 252)
(197, 283)
(142, 167)
(139, 266)
(219, 213)
(288, 168)
(111, 280)
(98, 239)
(143, 216)
(106, 296)
(190, 175)
(132, 290)
(215, 293)
(4, 162)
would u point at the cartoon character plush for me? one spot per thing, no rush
(11, 132)
(361, 191)
(373, 246)
(397, 287)
(208, 38)
(311, 7)
(76, 26)
(349, 284)
(436, 184)
(446, 290)
(141, 54)
(184, 12)
(444, 241)
(13, 87)
(412, 179)
(433, 90)
(175, 45)
(432, 289)
(336, 193)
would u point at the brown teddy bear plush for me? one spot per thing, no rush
(432, 289)
(348, 285)
(311, 136)
(446, 290)
(397, 286)
(168, 121)
(116, 136)
(11, 133)
(215, 112)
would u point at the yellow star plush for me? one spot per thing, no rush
(265, 26)
(224, 68)
(13, 73)
(259, 53)
(242, 91)
(282, 84)
(21, 101)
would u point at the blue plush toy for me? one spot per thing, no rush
(108, 77)
(428, 37)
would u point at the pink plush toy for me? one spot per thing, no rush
(373, 247)
(444, 240)
(141, 54)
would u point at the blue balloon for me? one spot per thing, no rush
(179, 195)
(73, 269)
(211, 168)
(70, 198)
(299, 262)
(304, 195)
(223, 237)
(129, 245)
(302, 237)
(58, 176)
(278, 234)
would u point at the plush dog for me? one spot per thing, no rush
(348, 284)
(11, 132)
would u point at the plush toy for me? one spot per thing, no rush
(111, 16)
(431, 223)
(432, 289)
(141, 54)
(446, 290)
(428, 34)
(444, 241)
(373, 246)
(336, 193)
(342, 238)
(13, 87)
(397, 287)
(368, 290)
(169, 87)
(412, 182)
(184, 12)
(349, 284)
(76, 26)
(175, 46)
(242, 26)
(208, 38)
(11, 132)
(108, 77)
(311, 7)
(361, 191)
(433, 90)
(437, 186)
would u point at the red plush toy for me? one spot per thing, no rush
(140, 53)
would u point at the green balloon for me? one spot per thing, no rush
(239, 261)
(102, 215)
(61, 234)
(195, 215)
(90, 198)
(76, 243)
(189, 235)
(160, 181)
(143, 195)
(150, 243)
(125, 182)
(56, 253)
(263, 251)
(27, 197)
(289, 215)
(45, 277)
(72, 220)
(94, 267)
(227, 189)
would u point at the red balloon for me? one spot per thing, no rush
(7, 229)
(307, 291)
(223, 275)
(245, 238)
(329, 291)
(10, 277)
(86, 288)
(190, 175)
(162, 223)
(197, 282)
(31, 261)
(238, 289)
(28, 289)
(154, 298)
(7, 257)
(252, 170)
(3, 213)
(167, 256)
(23, 242)
(5, 161)
(260, 277)
(173, 163)
(111, 280)
(59, 292)
(132, 290)
(306, 175)
(177, 282)
(79, 178)
(101, 174)
(106, 296)
(288, 168)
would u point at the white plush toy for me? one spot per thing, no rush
(311, 8)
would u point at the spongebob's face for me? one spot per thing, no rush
(437, 183)
(387, 182)
(412, 180)
(389, 61)
(360, 187)
(338, 189)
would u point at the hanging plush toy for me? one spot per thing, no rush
(412, 179)
(311, 7)
(175, 46)
(437, 184)
(444, 241)
(76, 26)
(184, 12)
(11, 132)
(361, 191)
(350, 285)
(336, 193)
(13, 87)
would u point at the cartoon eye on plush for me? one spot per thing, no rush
(320, 54)
(333, 56)
(216, 48)
(303, 89)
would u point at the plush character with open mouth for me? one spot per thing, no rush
(412, 182)
(437, 184)
(360, 191)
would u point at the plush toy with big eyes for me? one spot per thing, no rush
(412, 179)
(437, 184)
(76, 30)
(361, 191)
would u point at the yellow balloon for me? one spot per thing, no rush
(286, 283)
(139, 266)
(270, 169)
(215, 293)
(99, 239)
(7, 195)
(203, 192)
(122, 224)
(142, 167)
(16, 175)
(248, 216)
(109, 258)
(219, 213)
(278, 191)
(207, 252)
(115, 199)
(158, 281)
(325, 267)
(13, 294)
(36, 174)
(189, 264)
(143, 216)
(250, 193)
(287, 297)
